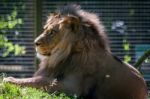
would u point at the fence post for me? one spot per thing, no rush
(37, 23)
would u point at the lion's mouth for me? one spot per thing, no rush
(44, 53)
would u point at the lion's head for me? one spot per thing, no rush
(69, 30)
(58, 31)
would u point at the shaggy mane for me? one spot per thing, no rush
(89, 19)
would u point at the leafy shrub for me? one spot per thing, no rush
(10, 22)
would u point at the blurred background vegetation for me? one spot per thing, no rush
(16, 38)
(8, 22)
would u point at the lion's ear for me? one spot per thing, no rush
(71, 22)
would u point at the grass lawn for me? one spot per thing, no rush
(10, 91)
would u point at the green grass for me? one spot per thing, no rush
(10, 91)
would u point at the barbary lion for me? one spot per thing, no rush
(76, 59)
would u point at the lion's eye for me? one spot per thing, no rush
(52, 33)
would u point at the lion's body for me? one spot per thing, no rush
(94, 80)
(78, 56)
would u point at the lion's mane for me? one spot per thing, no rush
(92, 38)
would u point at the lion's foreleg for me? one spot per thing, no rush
(38, 81)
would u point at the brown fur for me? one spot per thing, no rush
(76, 59)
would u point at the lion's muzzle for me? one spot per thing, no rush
(38, 40)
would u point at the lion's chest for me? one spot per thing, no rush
(71, 85)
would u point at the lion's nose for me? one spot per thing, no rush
(37, 43)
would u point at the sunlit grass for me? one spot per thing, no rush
(10, 91)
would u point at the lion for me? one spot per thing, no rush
(76, 59)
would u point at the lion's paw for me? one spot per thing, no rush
(9, 79)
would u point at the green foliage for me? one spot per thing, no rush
(127, 58)
(10, 91)
(9, 23)
(126, 47)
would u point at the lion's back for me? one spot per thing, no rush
(123, 82)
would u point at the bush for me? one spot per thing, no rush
(9, 22)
